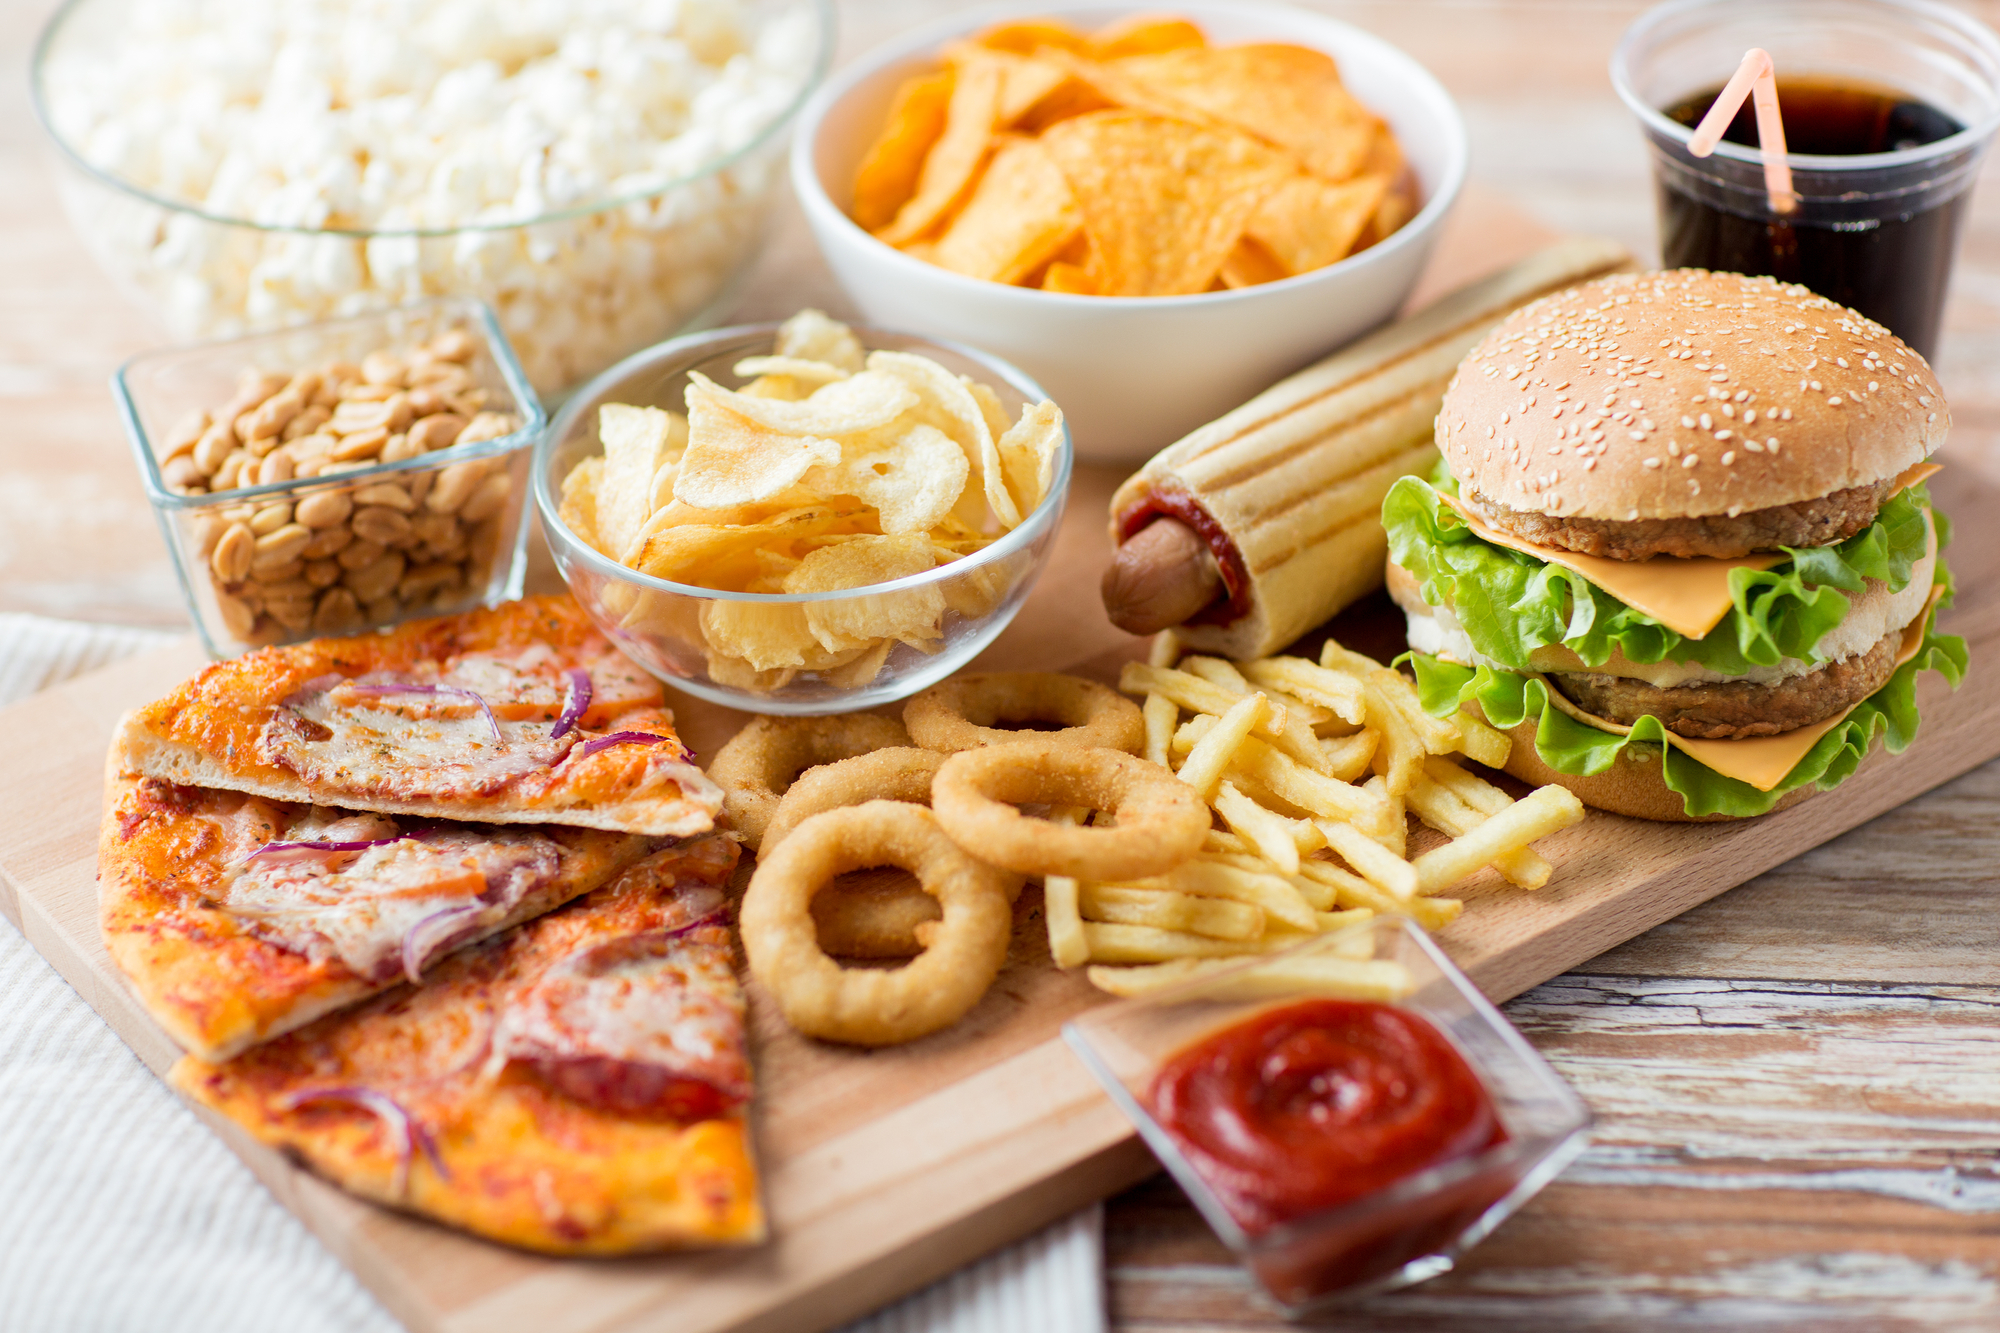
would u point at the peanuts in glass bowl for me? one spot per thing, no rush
(355, 474)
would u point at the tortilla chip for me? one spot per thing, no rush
(1020, 215)
(1398, 206)
(1289, 96)
(1025, 80)
(1164, 200)
(1250, 265)
(1073, 279)
(953, 164)
(887, 176)
(1024, 37)
(1307, 223)
(1144, 35)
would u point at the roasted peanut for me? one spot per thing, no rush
(308, 421)
(384, 493)
(337, 613)
(321, 573)
(382, 610)
(234, 550)
(454, 486)
(293, 615)
(237, 618)
(352, 416)
(281, 546)
(186, 433)
(277, 466)
(419, 485)
(359, 553)
(288, 589)
(361, 444)
(453, 345)
(397, 448)
(378, 579)
(422, 581)
(181, 472)
(437, 431)
(269, 518)
(383, 368)
(230, 475)
(323, 509)
(486, 501)
(204, 531)
(327, 542)
(426, 401)
(214, 446)
(379, 523)
(487, 426)
(269, 419)
(275, 574)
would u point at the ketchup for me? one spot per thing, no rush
(1320, 1103)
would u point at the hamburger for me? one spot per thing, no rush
(1679, 543)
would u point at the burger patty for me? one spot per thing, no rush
(1822, 522)
(1736, 708)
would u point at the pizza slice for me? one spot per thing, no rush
(579, 1085)
(516, 714)
(235, 918)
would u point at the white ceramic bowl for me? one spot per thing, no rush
(1134, 374)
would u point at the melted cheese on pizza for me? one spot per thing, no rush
(504, 1094)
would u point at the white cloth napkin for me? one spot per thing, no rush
(120, 1213)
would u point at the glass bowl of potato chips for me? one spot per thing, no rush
(804, 518)
(1155, 210)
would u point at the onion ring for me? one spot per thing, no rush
(960, 713)
(868, 914)
(1160, 819)
(760, 762)
(866, 1006)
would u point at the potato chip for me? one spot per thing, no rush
(782, 387)
(693, 553)
(950, 406)
(1290, 96)
(887, 176)
(1249, 264)
(912, 475)
(1028, 454)
(859, 402)
(578, 509)
(810, 373)
(1070, 278)
(1164, 200)
(1144, 35)
(811, 336)
(978, 591)
(990, 405)
(862, 670)
(733, 460)
(766, 636)
(953, 163)
(1306, 223)
(909, 614)
(1027, 36)
(1019, 215)
(636, 440)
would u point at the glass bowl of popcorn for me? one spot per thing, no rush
(597, 171)
(804, 518)
(340, 476)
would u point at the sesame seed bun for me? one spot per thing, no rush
(1631, 398)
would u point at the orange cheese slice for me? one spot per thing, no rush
(1761, 761)
(1687, 594)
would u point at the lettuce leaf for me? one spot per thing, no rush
(1571, 746)
(1510, 603)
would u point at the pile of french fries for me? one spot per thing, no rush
(1312, 770)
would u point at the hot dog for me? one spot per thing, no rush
(1265, 522)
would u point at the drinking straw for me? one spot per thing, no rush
(1757, 76)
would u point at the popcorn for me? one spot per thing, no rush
(585, 166)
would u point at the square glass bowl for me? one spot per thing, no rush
(1418, 1226)
(664, 626)
(440, 532)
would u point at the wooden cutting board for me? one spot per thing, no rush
(885, 1170)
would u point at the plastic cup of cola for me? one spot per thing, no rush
(1888, 106)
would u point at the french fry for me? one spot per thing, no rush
(1439, 735)
(1217, 748)
(1111, 942)
(1351, 890)
(1397, 836)
(1440, 808)
(1401, 756)
(1265, 889)
(1194, 694)
(1371, 860)
(1320, 973)
(1542, 812)
(1217, 918)
(1481, 743)
(1271, 834)
(1162, 715)
(1060, 906)
(1348, 756)
(1310, 791)
(1165, 649)
(1216, 672)
(1337, 693)
(1223, 842)
(1474, 790)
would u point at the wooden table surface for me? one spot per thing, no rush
(1797, 1085)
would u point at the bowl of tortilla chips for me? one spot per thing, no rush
(1155, 214)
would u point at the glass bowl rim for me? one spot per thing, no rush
(1977, 35)
(534, 420)
(822, 62)
(1528, 1148)
(692, 348)
(932, 36)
